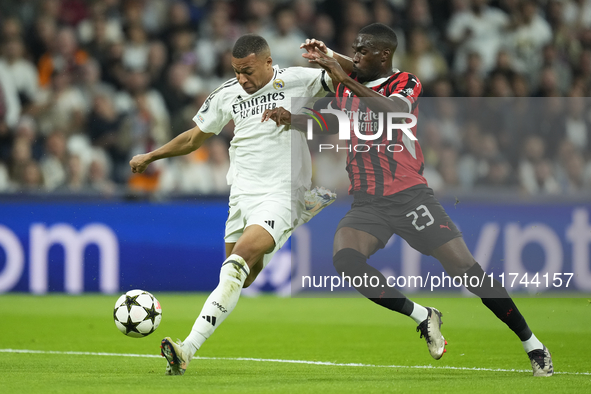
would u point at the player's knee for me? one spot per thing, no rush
(346, 260)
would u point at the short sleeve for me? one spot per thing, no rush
(316, 80)
(406, 87)
(212, 117)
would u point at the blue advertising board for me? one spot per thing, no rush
(114, 247)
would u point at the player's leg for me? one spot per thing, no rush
(457, 261)
(359, 235)
(429, 230)
(255, 228)
(245, 253)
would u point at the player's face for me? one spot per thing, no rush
(367, 59)
(252, 71)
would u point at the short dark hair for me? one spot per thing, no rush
(384, 36)
(247, 44)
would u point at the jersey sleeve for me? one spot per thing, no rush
(212, 117)
(407, 87)
(316, 81)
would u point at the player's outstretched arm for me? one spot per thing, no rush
(338, 75)
(182, 144)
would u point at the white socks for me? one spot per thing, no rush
(419, 313)
(532, 343)
(220, 302)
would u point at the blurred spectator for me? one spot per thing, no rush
(576, 123)
(477, 29)
(182, 86)
(20, 154)
(216, 36)
(64, 57)
(76, 181)
(499, 174)
(23, 73)
(90, 83)
(29, 177)
(27, 128)
(41, 39)
(324, 30)
(179, 19)
(60, 105)
(423, 59)
(182, 44)
(528, 37)
(470, 165)
(535, 172)
(219, 164)
(98, 175)
(11, 29)
(10, 105)
(157, 62)
(5, 184)
(185, 174)
(103, 126)
(286, 39)
(72, 12)
(577, 176)
(259, 16)
(136, 48)
(99, 30)
(54, 161)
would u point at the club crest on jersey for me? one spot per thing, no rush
(278, 84)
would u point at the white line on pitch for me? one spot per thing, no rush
(272, 360)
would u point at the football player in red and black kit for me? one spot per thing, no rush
(391, 195)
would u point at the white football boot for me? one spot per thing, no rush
(316, 200)
(177, 359)
(430, 328)
(541, 362)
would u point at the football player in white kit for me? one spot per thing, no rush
(270, 172)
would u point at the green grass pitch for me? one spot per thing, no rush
(389, 355)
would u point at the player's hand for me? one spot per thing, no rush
(310, 45)
(332, 67)
(139, 163)
(280, 115)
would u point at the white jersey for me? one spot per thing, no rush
(264, 157)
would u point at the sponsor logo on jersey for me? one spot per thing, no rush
(200, 118)
(408, 91)
(257, 105)
(278, 84)
(271, 223)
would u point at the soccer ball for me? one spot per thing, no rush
(137, 313)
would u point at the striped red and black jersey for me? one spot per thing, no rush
(375, 170)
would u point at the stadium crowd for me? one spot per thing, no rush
(85, 85)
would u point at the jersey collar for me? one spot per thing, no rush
(379, 81)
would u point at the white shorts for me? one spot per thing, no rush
(278, 213)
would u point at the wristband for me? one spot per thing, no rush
(329, 52)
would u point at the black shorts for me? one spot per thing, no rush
(413, 214)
